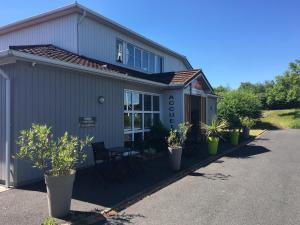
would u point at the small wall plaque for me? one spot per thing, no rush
(87, 122)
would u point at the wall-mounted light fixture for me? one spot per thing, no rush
(100, 99)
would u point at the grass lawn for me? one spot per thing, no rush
(279, 119)
(255, 132)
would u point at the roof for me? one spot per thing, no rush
(52, 52)
(77, 8)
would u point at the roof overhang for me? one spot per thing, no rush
(13, 56)
(201, 74)
(77, 8)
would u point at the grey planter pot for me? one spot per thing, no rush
(59, 191)
(246, 132)
(175, 157)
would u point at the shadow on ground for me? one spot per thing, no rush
(265, 126)
(90, 186)
(215, 176)
(121, 219)
(295, 114)
(248, 151)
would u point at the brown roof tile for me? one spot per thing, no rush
(53, 52)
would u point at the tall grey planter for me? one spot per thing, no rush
(175, 157)
(59, 191)
(246, 132)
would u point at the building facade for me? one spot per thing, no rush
(80, 72)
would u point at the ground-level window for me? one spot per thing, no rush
(141, 111)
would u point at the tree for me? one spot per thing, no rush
(237, 104)
(285, 92)
(221, 90)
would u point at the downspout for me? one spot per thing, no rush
(78, 22)
(8, 124)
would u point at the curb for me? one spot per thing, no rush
(139, 196)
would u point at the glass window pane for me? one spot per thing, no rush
(155, 103)
(147, 120)
(159, 64)
(137, 58)
(119, 51)
(138, 121)
(156, 118)
(147, 136)
(147, 103)
(129, 55)
(127, 121)
(151, 63)
(145, 60)
(138, 137)
(137, 101)
(127, 101)
(127, 137)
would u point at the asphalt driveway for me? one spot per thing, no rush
(258, 184)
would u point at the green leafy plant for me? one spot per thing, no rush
(157, 137)
(215, 129)
(237, 104)
(55, 157)
(176, 138)
(49, 221)
(247, 122)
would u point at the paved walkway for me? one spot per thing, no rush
(257, 185)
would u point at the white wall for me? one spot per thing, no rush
(99, 41)
(61, 32)
(211, 109)
(172, 108)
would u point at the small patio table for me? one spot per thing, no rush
(125, 164)
(120, 152)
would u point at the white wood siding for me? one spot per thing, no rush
(57, 97)
(211, 109)
(61, 32)
(2, 129)
(99, 41)
(173, 108)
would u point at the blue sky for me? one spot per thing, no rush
(232, 41)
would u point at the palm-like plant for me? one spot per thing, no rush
(215, 128)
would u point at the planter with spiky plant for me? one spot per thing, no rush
(57, 158)
(213, 134)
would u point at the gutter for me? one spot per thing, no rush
(103, 73)
(80, 19)
(7, 125)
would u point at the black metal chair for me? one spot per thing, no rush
(101, 153)
(135, 159)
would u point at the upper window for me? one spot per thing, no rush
(138, 58)
(145, 60)
(129, 55)
(119, 51)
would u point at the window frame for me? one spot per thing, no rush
(133, 131)
(125, 58)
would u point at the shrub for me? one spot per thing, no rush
(176, 138)
(247, 122)
(49, 221)
(55, 157)
(157, 137)
(238, 104)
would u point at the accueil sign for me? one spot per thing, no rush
(171, 109)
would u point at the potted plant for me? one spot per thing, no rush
(234, 136)
(57, 158)
(175, 141)
(213, 134)
(247, 124)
